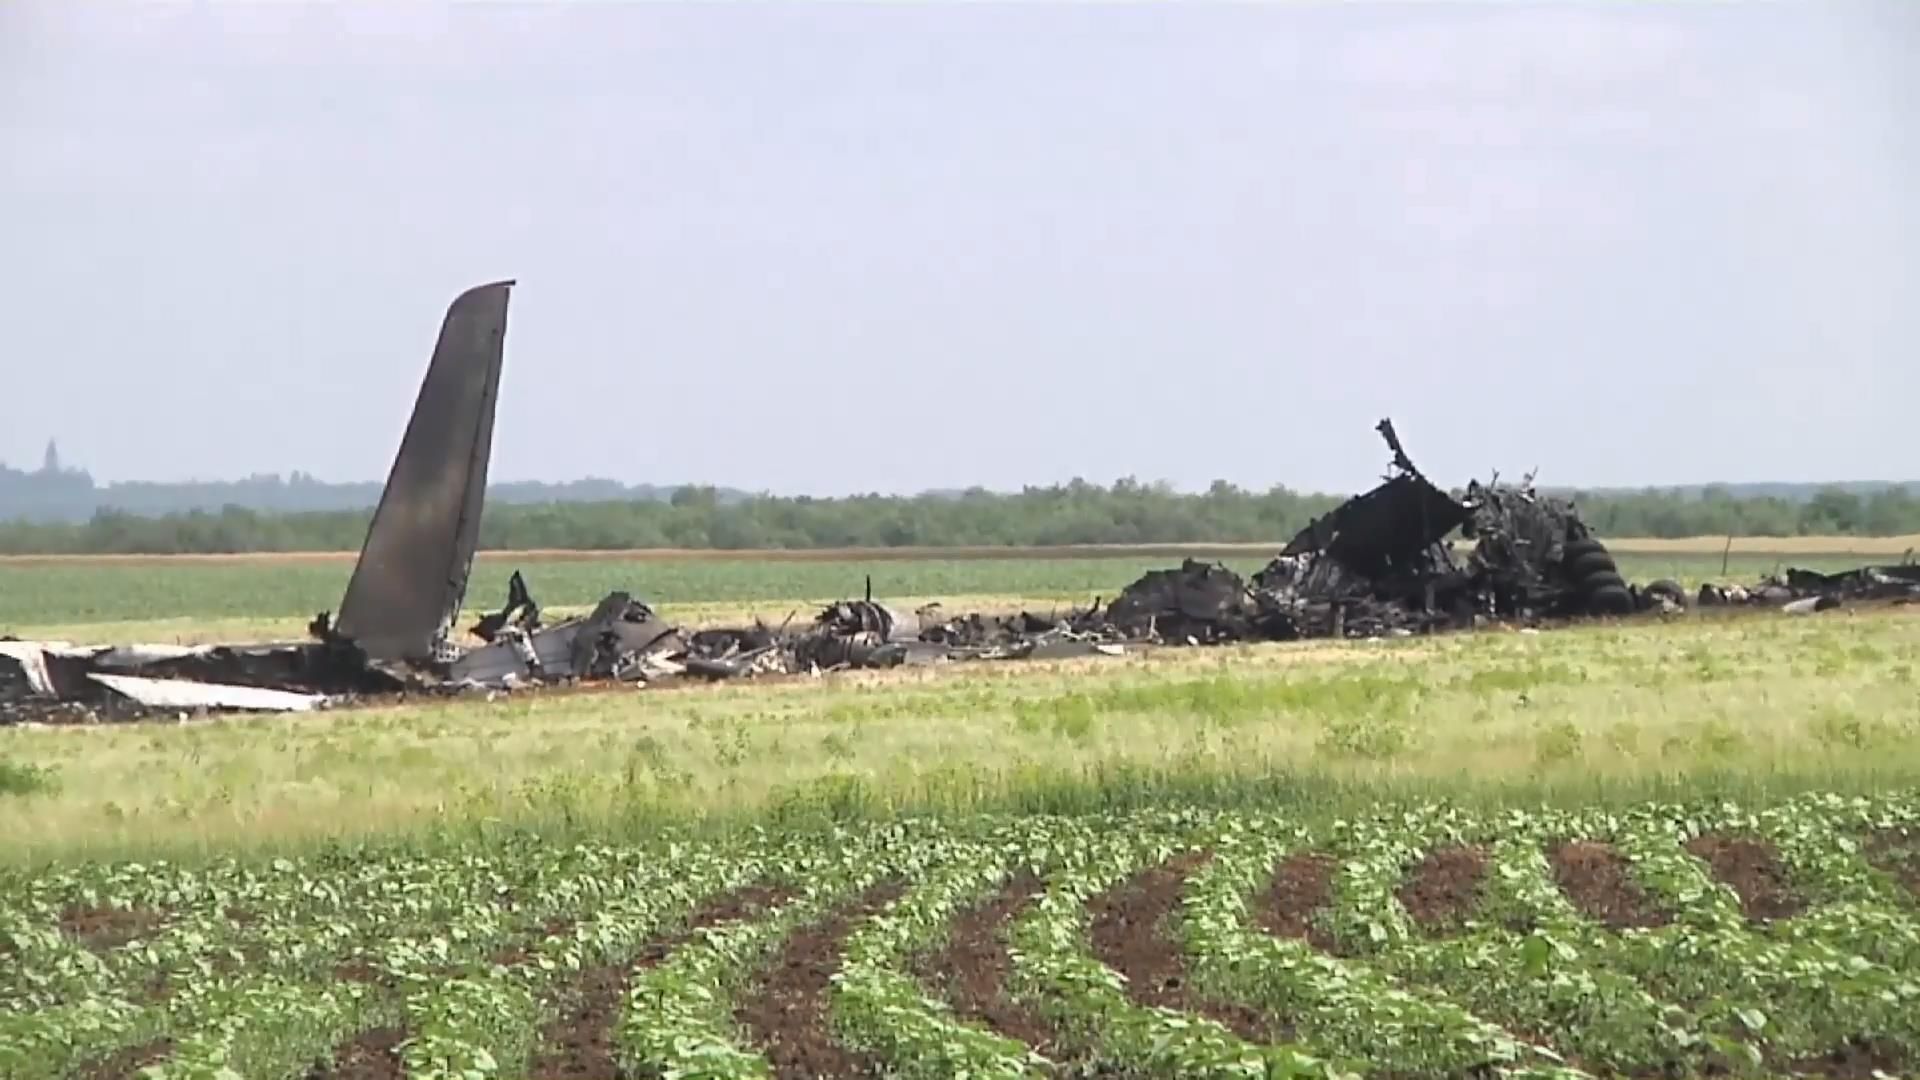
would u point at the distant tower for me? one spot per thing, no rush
(51, 463)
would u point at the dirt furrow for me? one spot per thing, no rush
(1752, 867)
(1896, 852)
(578, 1042)
(101, 929)
(1857, 1060)
(1301, 888)
(1599, 882)
(374, 1054)
(785, 1010)
(1441, 891)
(127, 1061)
(1131, 935)
(971, 967)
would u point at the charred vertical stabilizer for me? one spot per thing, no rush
(412, 574)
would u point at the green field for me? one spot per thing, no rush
(93, 593)
(1698, 938)
(1681, 845)
(35, 596)
(1759, 701)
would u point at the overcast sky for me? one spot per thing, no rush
(895, 247)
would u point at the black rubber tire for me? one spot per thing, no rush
(1610, 599)
(1576, 548)
(1586, 566)
(1590, 568)
(1606, 579)
(1669, 589)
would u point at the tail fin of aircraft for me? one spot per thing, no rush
(411, 578)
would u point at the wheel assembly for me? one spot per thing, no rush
(1589, 566)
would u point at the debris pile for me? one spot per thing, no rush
(1799, 591)
(1195, 604)
(621, 640)
(53, 681)
(1382, 563)
(865, 634)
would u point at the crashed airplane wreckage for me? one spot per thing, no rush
(409, 581)
(1382, 564)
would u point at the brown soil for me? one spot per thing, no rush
(1444, 888)
(101, 929)
(1130, 935)
(1599, 881)
(785, 1009)
(973, 965)
(1753, 868)
(374, 1054)
(127, 1061)
(516, 951)
(359, 970)
(1302, 887)
(1855, 1059)
(1897, 852)
(578, 1042)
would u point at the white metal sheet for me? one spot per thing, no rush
(182, 694)
(32, 658)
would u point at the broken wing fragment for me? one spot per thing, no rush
(412, 574)
(182, 694)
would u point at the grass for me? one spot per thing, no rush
(1737, 703)
(16, 779)
(38, 594)
(189, 599)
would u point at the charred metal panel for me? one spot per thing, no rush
(520, 609)
(548, 652)
(412, 574)
(313, 668)
(1385, 529)
(1866, 582)
(621, 639)
(1391, 531)
(1203, 602)
(618, 629)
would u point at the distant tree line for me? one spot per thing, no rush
(1127, 512)
(58, 493)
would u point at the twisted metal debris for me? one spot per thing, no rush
(1384, 563)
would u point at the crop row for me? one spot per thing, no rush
(1429, 941)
